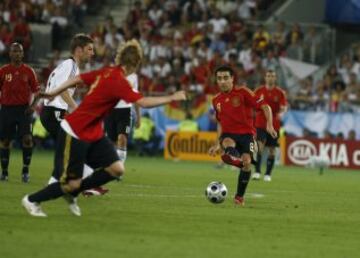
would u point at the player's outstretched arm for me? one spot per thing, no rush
(148, 102)
(269, 120)
(67, 84)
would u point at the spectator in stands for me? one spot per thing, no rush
(351, 135)
(312, 45)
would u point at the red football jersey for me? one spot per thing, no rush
(17, 84)
(235, 110)
(107, 87)
(275, 98)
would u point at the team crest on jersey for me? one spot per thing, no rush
(25, 78)
(235, 101)
(8, 77)
(276, 98)
(218, 107)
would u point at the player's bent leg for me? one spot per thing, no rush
(116, 169)
(231, 155)
(243, 179)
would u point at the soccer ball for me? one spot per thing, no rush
(216, 192)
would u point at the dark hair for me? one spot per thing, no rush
(79, 40)
(225, 68)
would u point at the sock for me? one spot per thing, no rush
(5, 155)
(27, 154)
(52, 191)
(98, 178)
(122, 154)
(243, 181)
(258, 163)
(269, 165)
(87, 171)
(232, 151)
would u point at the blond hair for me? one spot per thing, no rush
(129, 54)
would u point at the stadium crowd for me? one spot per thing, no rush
(185, 40)
(16, 15)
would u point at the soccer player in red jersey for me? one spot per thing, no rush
(234, 107)
(18, 84)
(276, 98)
(82, 138)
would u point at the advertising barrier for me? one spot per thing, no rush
(189, 145)
(340, 153)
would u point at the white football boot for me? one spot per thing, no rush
(34, 209)
(267, 178)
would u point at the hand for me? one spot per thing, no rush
(29, 110)
(179, 95)
(270, 129)
(214, 150)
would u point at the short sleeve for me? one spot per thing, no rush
(90, 77)
(253, 100)
(283, 99)
(34, 84)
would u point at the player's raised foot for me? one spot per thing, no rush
(95, 191)
(34, 209)
(231, 160)
(256, 176)
(267, 178)
(4, 177)
(25, 178)
(238, 200)
(73, 205)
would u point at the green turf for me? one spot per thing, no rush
(159, 210)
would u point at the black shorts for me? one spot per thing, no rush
(118, 122)
(14, 121)
(263, 136)
(50, 118)
(71, 154)
(245, 143)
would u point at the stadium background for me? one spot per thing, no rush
(312, 45)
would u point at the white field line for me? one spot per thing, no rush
(192, 188)
(151, 195)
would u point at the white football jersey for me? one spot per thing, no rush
(133, 80)
(61, 73)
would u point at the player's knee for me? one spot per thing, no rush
(72, 185)
(116, 169)
(121, 140)
(228, 142)
(246, 161)
(27, 141)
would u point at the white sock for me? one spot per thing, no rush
(122, 154)
(52, 180)
(87, 171)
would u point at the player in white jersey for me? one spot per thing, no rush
(54, 110)
(118, 125)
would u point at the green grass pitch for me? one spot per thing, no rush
(160, 210)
